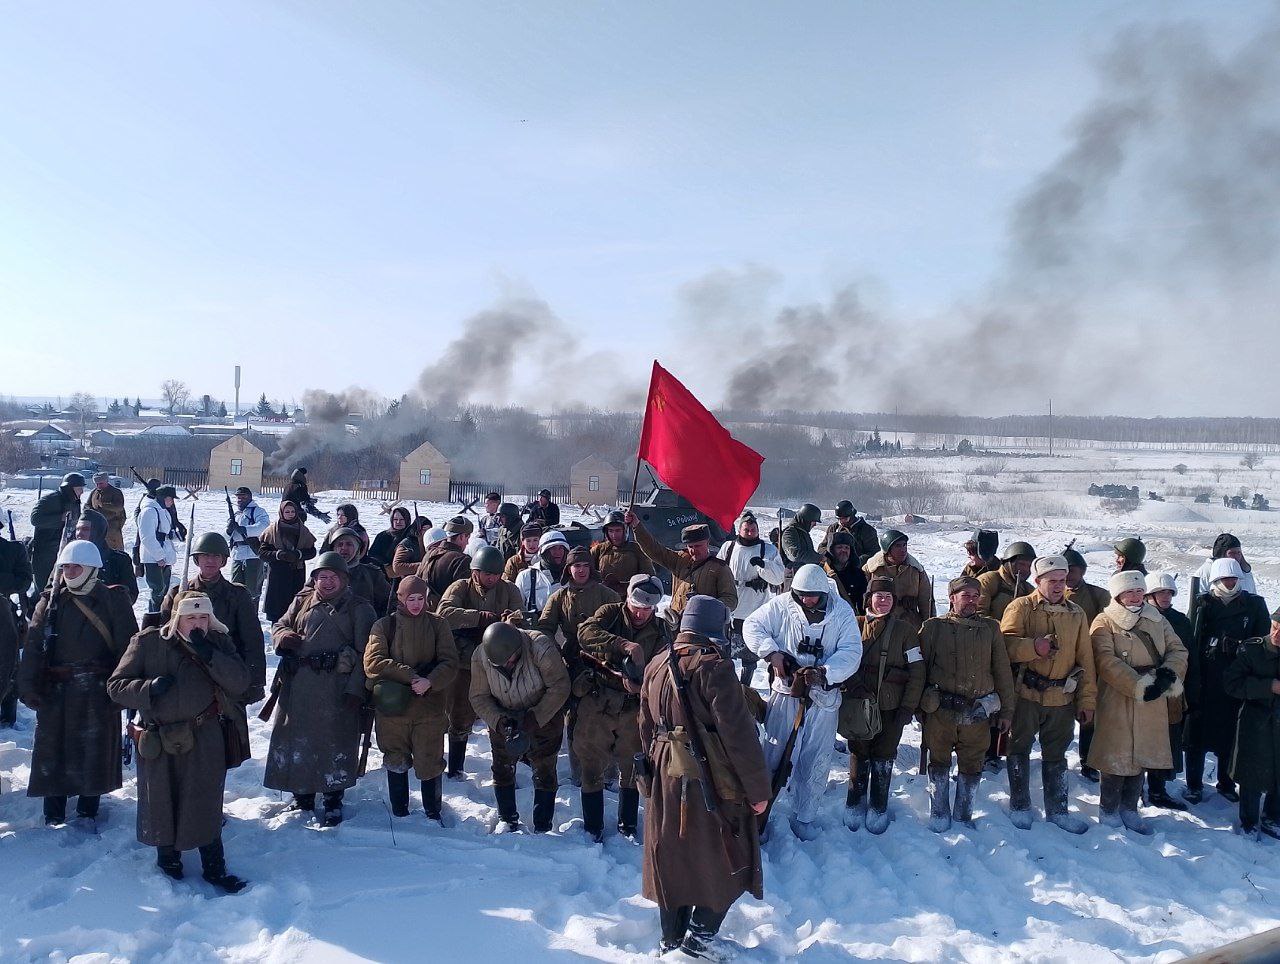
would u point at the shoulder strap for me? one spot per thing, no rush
(1150, 645)
(94, 619)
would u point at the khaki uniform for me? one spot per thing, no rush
(617, 564)
(711, 577)
(179, 794)
(512, 567)
(1044, 708)
(964, 656)
(693, 858)
(912, 590)
(608, 726)
(534, 697)
(1133, 735)
(977, 569)
(897, 695)
(866, 543)
(999, 588)
(466, 609)
(402, 647)
(568, 608)
(1092, 599)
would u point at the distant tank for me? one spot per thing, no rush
(665, 513)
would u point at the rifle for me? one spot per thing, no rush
(12, 537)
(629, 672)
(696, 747)
(138, 475)
(1193, 607)
(49, 632)
(782, 775)
(233, 526)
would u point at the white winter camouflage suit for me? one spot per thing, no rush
(779, 626)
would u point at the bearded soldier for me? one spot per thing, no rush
(912, 589)
(1225, 617)
(617, 558)
(890, 678)
(617, 642)
(1141, 664)
(757, 569)
(79, 631)
(108, 500)
(810, 638)
(54, 514)
(1007, 583)
(839, 564)
(315, 742)
(865, 541)
(967, 681)
(178, 677)
(232, 607)
(693, 572)
(1052, 657)
(699, 858)
(412, 662)
(470, 606)
(1254, 679)
(519, 685)
(367, 580)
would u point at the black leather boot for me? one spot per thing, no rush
(398, 792)
(507, 812)
(87, 806)
(628, 810)
(457, 756)
(593, 815)
(169, 861)
(214, 864)
(544, 808)
(432, 798)
(55, 811)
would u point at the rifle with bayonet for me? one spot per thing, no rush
(696, 747)
(234, 526)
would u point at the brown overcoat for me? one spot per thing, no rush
(904, 668)
(110, 502)
(617, 564)
(235, 609)
(179, 795)
(966, 656)
(1092, 599)
(1131, 735)
(76, 749)
(692, 857)
(315, 741)
(998, 589)
(568, 608)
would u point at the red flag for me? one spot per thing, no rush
(695, 455)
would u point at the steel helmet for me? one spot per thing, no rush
(73, 479)
(616, 517)
(80, 552)
(889, 537)
(435, 535)
(1074, 559)
(1017, 550)
(500, 642)
(488, 559)
(845, 509)
(1133, 550)
(210, 544)
(810, 579)
(809, 514)
(332, 561)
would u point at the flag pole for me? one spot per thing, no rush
(644, 424)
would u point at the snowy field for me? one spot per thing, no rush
(400, 890)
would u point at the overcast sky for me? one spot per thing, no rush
(324, 192)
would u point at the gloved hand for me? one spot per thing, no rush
(322, 516)
(288, 555)
(1085, 717)
(1165, 678)
(351, 702)
(159, 686)
(1004, 726)
(811, 676)
(757, 561)
(487, 620)
(286, 641)
(201, 645)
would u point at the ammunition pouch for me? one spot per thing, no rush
(956, 703)
(146, 739)
(681, 763)
(1033, 680)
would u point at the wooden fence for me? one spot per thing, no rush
(464, 492)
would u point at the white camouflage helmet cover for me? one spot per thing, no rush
(810, 578)
(1225, 569)
(1159, 581)
(79, 552)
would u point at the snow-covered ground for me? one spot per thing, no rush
(400, 890)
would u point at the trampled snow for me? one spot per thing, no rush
(386, 889)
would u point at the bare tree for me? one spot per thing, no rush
(1251, 460)
(1180, 468)
(175, 395)
(84, 406)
